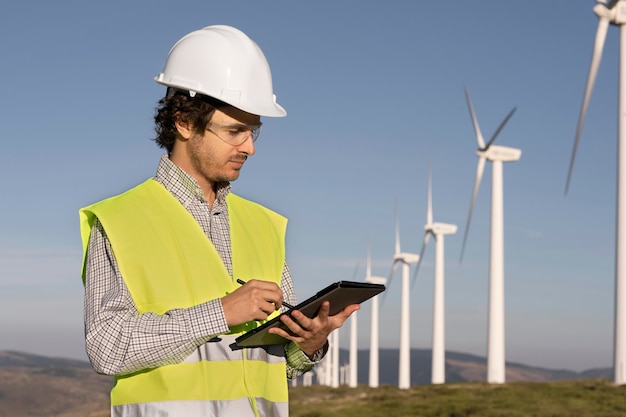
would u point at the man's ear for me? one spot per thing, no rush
(185, 130)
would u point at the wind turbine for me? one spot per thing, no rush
(406, 259)
(328, 371)
(496, 155)
(438, 231)
(353, 356)
(374, 338)
(334, 364)
(612, 12)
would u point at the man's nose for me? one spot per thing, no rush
(247, 147)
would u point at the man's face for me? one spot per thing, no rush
(212, 157)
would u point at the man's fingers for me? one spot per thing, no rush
(324, 310)
(264, 291)
(346, 312)
(294, 322)
(253, 300)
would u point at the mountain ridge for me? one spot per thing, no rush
(460, 367)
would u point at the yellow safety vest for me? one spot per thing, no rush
(168, 262)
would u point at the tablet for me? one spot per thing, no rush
(340, 294)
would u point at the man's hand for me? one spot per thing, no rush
(255, 300)
(311, 334)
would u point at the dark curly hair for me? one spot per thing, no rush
(178, 105)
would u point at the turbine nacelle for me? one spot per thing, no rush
(441, 228)
(405, 257)
(500, 153)
(376, 280)
(613, 11)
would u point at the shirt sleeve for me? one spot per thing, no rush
(298, 363)
(118, 339)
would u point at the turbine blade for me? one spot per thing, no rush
(596, 57)
(479, 135)
(368, 265)
(356, 270)
(429, 211)
(393, 270)
(479, 174)
(397, 247)
(495, 135)
(419, 262)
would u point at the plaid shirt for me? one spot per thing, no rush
(119, 340)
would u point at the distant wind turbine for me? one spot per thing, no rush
(353, 357)
(438, 231)
(612, 12)
(496, 155)
(374, 338)
(334, 348)
(328, 371)
(406, 259)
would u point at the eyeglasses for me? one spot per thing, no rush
(235, 134)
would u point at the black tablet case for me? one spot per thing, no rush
(340, 294)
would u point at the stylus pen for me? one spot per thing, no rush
(289, 306)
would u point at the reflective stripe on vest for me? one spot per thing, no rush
(154, 238)
(237, 408)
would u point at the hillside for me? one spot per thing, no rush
(581, 398)
(461, 367)
(39, 386)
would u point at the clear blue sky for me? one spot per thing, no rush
(374, 91)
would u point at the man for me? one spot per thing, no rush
(162, 260)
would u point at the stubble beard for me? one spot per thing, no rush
(207, 166)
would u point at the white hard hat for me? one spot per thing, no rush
(224, 63)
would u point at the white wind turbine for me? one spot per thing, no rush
(406, 259)
(334, 363)
(374, 338)
(496, 155)
(612, 12)
(353, 356)
(438, 231)
(328, 371)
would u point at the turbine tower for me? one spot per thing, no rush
(334, 348)
(612, 12)
(496, 155)
(374, 338)
(406, 259)
(438, 231)
(353, 356)
(353, 359)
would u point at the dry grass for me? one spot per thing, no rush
(589, 398)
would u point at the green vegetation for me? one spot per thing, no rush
(585, 398)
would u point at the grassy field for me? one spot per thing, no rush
(588, 398)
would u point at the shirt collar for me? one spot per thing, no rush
(182, 185)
